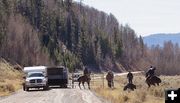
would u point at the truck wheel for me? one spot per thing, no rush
(27, 89)
(46, 87)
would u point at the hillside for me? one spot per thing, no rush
(34, 32)
(10, 79)
(159, 39)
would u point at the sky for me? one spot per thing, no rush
(144, 16)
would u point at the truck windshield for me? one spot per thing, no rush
(36, 75)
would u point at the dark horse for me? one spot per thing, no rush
(129, 86)
(153, 81)
(83, 79)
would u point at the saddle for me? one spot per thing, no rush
(150, 77)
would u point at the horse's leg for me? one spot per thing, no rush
(112, 84)
(148, 82)
(79, 85)
(88, 84)
(132, 89)
(83, 85)
(109, 84)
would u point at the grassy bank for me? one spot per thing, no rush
(10, 79)
(142, 94)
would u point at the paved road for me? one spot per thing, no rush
(55, 95)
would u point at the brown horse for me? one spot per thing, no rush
(129, 86)
(153, 81)
(83, 79)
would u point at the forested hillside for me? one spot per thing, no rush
(49, 32)
(33, 32)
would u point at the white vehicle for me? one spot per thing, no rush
(36, 77)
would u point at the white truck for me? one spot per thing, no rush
(45, 76)
(36, 77)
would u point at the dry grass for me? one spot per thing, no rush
(10, 79)
(142, 94)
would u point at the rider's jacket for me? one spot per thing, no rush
(150, 72)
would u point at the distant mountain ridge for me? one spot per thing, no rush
(159, 39)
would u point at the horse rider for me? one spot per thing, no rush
(109, 78)
(130, 77)
(151, 72)
(86, 72)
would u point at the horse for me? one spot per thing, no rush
(83, 79)
(129, 86)
(153, 81)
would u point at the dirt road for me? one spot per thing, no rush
(55, 95)
(121, 74)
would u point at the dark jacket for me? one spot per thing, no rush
(150, 72)
(130, 75)
(86, 71)
(110, 76)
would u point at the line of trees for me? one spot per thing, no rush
(33, 32)
(94, 37)
(166, 58)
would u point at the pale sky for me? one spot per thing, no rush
(144, 16)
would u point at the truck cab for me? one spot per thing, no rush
(36, 77)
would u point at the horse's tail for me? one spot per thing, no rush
(158, 80)
(125, 88)
(134, 86)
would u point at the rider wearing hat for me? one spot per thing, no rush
(151, 72)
